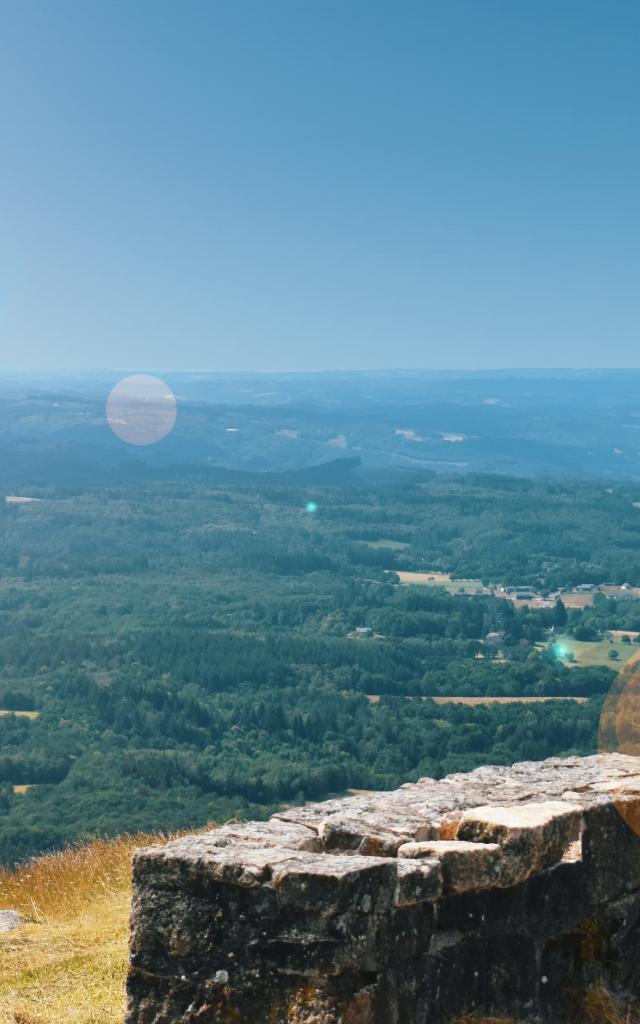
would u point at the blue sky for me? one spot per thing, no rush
(304, 185)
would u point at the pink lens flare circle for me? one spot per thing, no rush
(141, 409)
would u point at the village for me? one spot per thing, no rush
(580, 596)
(611, 647)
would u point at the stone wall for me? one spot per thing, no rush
(505, 891)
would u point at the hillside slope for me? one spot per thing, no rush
(67, 965)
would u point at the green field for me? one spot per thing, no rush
(440, 579)
(394, 545)
(588, 653)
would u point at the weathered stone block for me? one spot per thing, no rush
(533, 895)
(465, 866)
(532, 836)
(371, 840)
(418, 881)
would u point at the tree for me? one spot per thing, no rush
(559, 613)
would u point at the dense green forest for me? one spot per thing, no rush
(189, 650)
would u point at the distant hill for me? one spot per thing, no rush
(557, 423)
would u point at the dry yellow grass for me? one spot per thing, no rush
(599, 1006)
(594, 1006)
(474, 1019)
(374, 698)
(68, 964)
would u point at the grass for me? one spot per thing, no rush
(440, 579)
(68, 964)
(594, 1006)
(577, 599)
(484, 1020)
(594, 653)
(394, 545)
(374, 698)
(471, 701)
(599, 1006)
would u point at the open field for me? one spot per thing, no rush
(502, 700)
(394, 545)
(472, 701)
(441, 579)
(577, 599)
(67, 964)
(570, 598)
(593, 653)
(620, 593)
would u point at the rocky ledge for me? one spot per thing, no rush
(506, 891)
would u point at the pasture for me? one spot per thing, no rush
(589, 653)
(393, 545)
(441, 579)
(577, 598)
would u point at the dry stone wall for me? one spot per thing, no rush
(505, 891)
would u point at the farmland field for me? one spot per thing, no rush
(393, 545)
(441, 579)
(593, 653)
(577, 599)
(473, 701)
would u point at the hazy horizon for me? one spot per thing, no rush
(365, 370)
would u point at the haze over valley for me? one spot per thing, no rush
(53, 427)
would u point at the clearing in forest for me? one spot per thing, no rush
(442, 579)
(394, 545)
(588, 653)
(374, 698)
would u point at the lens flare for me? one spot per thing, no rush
(141, 409)
(619, 732)
(311, 506)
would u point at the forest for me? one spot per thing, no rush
(176, 652)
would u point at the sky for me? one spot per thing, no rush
(319, 184)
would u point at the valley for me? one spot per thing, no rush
(181, 651)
